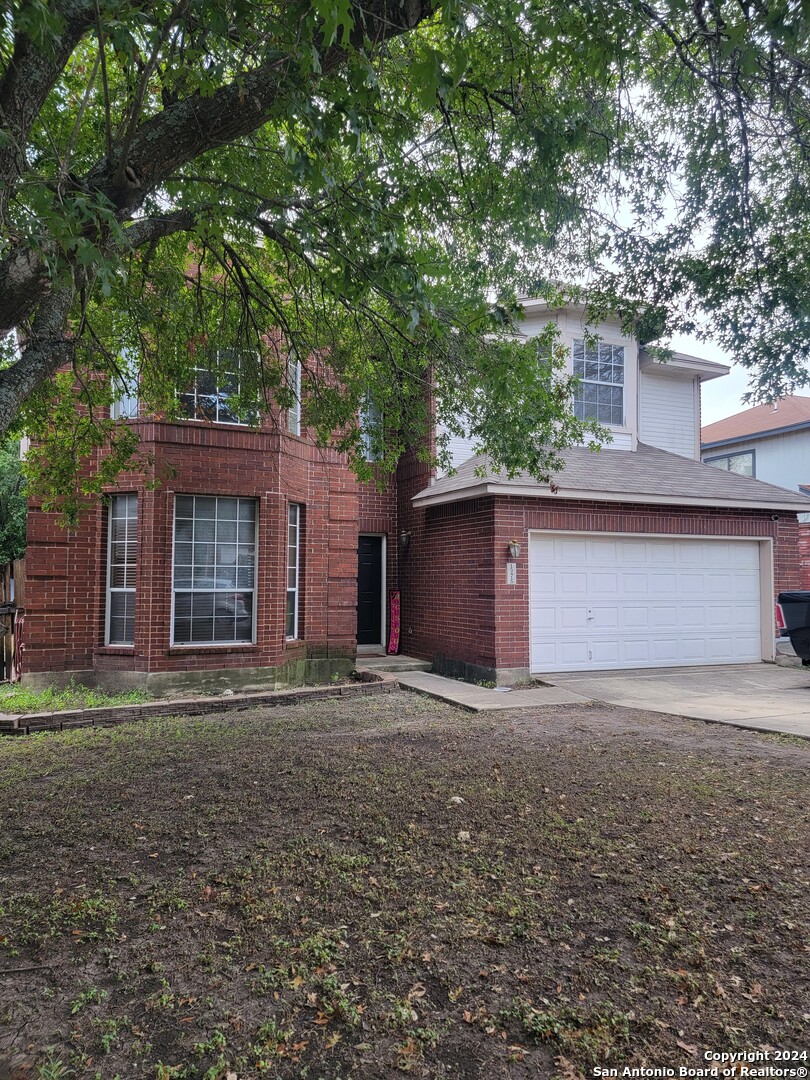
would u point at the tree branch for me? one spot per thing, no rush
(46, 349)
(30, 76)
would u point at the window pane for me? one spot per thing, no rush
(205, 507)
(227, 509)
(244, 577)
(742, 464)
(226, 577)
(205, 530)
(223, 552)
(182, 554)
(122, 557)
(226, 531)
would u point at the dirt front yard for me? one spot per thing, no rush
(375, 887)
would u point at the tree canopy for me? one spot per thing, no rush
(376, 183)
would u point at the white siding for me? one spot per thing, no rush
(783, 460)
(460, 449)
(668, 415)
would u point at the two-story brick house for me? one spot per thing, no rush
(262, 559)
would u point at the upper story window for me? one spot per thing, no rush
(600, 394)
(371, 421)
(215, 391)
(294, 385)
(742, 464)
(125, 389)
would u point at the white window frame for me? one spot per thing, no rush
(225, 357)
(235, 589)
(293, 550)
(294, 385)
(584, 381)
(110, 588)
(371, 417)
(124, 405)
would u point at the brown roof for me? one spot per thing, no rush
(648, 475)
(787, 412)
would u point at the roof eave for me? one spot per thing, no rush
(683, 364)
(523, 490)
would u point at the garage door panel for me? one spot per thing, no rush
(573, 584)
(605, 652)
(615, 602)
(575, 551)
(636, 618)
(663, 650)
(604, 618)
(663, 617)
(604, 584)
(573, 652)
(746, 587)
(631, 553)
(662, 554)
(637, 653)
(573, 618)
(635, 584)
(693, 617)
(691, 586)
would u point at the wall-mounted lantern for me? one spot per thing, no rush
(404, 541)
(514, 549)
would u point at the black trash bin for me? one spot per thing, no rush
(795, 608)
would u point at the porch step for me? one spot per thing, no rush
(393, 663)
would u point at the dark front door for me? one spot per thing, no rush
(369, 590)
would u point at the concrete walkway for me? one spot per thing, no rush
(764, 697)
(483, 699)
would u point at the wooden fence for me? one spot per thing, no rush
(12, 608)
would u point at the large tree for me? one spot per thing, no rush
(373, 183)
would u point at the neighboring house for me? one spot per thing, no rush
(262, 559)
(771, 443)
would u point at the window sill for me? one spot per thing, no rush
(114, 650)
(216, 647)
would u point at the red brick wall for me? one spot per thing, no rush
(804, 555)
(66, 573)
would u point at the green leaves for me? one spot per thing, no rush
(325, 178)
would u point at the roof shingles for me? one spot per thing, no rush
(786, 413)
(647, 475)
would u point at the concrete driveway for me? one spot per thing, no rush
(760, 696)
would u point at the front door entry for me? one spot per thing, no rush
(369, 590)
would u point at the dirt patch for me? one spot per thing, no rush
(369, 887)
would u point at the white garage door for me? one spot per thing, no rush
(599, 602)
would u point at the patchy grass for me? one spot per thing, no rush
(21, 699)
(387, 886)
